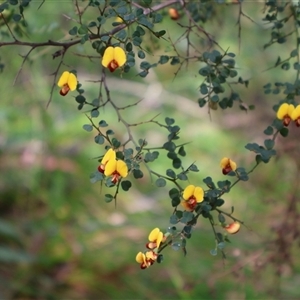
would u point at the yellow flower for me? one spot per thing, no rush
(192, 195)
(227, 165)
(233, 227)
(285, 112)
(146, 259)
(156, 237)
(110, 154)
(67, 82)
(296, 115)
(113, 58)
(116, 168)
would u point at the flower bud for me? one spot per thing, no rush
(233, 227)
(173, 13)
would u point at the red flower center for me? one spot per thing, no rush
(191, 202)
(112, 65)
(64, 90)
(227, 169)
(287, 120)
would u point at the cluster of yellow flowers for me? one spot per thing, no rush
(156, 239)
(113, 58)
(110, 166)
(288, 112)
(192, 195)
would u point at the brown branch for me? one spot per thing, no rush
(68, 44)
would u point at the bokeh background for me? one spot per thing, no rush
(58, 237)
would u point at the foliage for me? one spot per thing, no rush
(121, 36)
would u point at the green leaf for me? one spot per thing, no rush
(103, 123)
(73, 31)
(87, 127)
(99, 139)
(221, 218)
(175, 61)
(221, 245)
(121, 35)
(128, 47)
(171, 173)
(175, 201)
(182, 176)
(193, 168)
(169, 121)
(96, 176)
(176, 163)
(80, 99)
(83, 29)
(160, 182)
(187, 217)
(16, 17)
(203, 89)
(173, 193)
(269, 144)
(284, 132)
(160, 33)
(269, 130)
(116, 143)
(137, 174)
(208, 181)
(174, 219)
(164, 59)
(294, 53)
(13, 2)
(108, 198)
(95, 113)
(141, 54)
(126, 185)
(181, 151)
(169, 146)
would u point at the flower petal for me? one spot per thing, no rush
(63, 79)
(224, 162)
(119, 56)
(296, 113)
(140, 258)
(199, 194)
(232, 164)
(122, 168)
(72, 81)
(108, 56)
(153, 234)
(159, 239)
(285, 109)
(233, 227)
(188, 192)
(110, 154)
(110, 167)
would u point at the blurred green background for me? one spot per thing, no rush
(60, 240)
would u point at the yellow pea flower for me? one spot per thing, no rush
(113, 58)
(146, 259)
(285, 112)
(192, 195)
(227, 165)
(116, 168)
(296, 115)
(156, 237)
(110, 154)
(67, 82)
